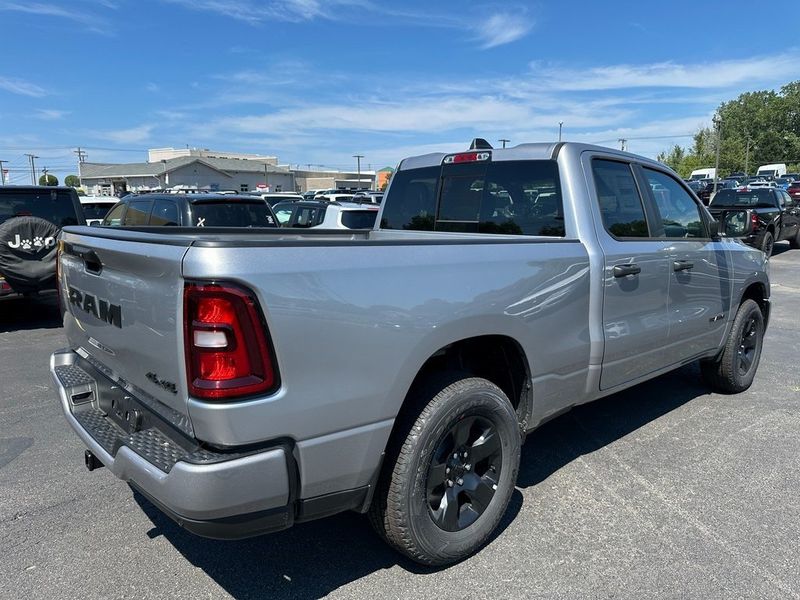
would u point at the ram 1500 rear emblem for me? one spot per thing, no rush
(97, 307)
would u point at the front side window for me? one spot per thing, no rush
(114, 217)
(618, 196)
(679, 213)
(283, 212)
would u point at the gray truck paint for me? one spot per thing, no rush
(354, 317)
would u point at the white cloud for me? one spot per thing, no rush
(707, 75)
(93, 22)
(21, 87)
(502, 29)
(50, 114)
(152, 87)
(133, 135)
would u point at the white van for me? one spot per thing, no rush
(771, 171)
(707, 173)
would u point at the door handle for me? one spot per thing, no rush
(682, 265)
(629, 269)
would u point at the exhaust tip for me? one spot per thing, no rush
(91, 461)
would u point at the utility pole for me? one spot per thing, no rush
(622, 143)
(32, 158)
(560, 125)
(2, 173)
(504, 140)
(266, 180)
(747, 156)
(44, 174)
(81, 159)
(358, 157)
(717, 120)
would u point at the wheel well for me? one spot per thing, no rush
(498, 358)
(756, 292)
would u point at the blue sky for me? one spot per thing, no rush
(316, 81)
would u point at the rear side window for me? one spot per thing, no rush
(96, 210)
(679, 213)
(308, 216)
(165, 213)
(231, 214)
(618, 196)
(55, 206)
(506, 197)
(359, 219)
(138, 213)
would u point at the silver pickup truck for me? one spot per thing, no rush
(244, 380)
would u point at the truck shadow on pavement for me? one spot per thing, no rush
(37, 312)
(313, 559)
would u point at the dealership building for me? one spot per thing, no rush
(194, 169)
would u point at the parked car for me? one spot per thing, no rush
(95, 208)
(31, 218)
(771, 215)
(794, 190)
(325, 215)
(191, 210)
(783, 182)
(334, 197)
(245, 404)
(760, 184)
(369, 197)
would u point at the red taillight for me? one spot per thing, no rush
(465, 157)
(228, 354)
(754, 218)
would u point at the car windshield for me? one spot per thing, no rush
(55, 206)
(231, 214)
(761, 198)
(96, 210)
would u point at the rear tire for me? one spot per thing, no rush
(733, 371)
(451, 472)
(767, 243)
(794, 242)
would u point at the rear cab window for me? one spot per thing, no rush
(755, 198)
(503, 197)
(56, 206)
(231, 214)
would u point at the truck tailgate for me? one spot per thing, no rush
(123, 306)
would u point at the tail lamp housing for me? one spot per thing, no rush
(227, 346)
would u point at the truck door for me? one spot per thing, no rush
(635, 276)
(699, 272)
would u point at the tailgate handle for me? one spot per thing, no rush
(89, 256)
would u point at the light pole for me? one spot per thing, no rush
(747, 157)
(717, 120)
(560, 125)
(504, 140)
(164, 175)
(358, 158)
(32, 158)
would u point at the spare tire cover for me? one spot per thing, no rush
(28, 247)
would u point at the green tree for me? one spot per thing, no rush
(72, 181)
(51, 180)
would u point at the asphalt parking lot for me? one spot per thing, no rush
(664, 490)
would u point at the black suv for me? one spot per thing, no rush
(190, 210)
(31, 217)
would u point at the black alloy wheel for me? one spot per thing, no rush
(463, 473)
(748, 345)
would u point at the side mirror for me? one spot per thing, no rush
(736, 223)
(713, 229)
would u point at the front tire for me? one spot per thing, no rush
(794, 242)
(449, 479)
(733, 371)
